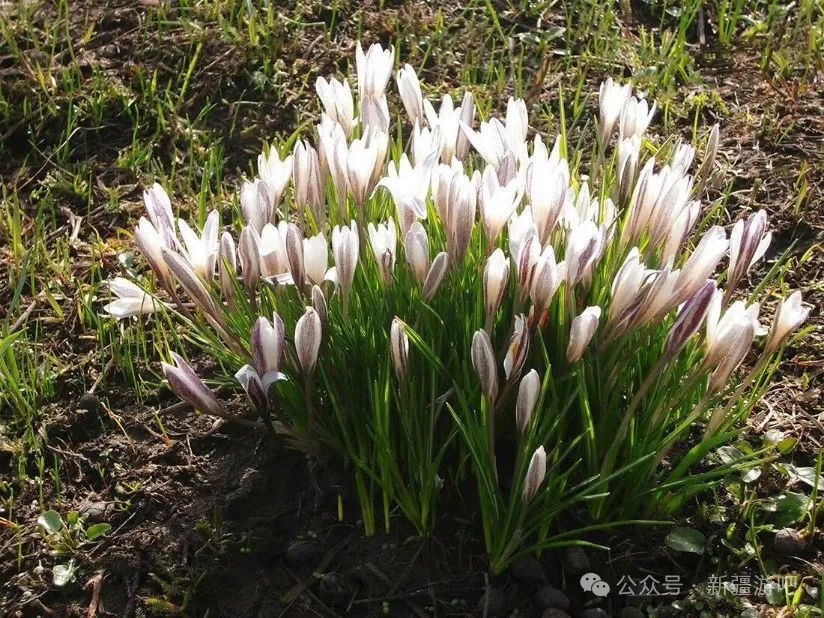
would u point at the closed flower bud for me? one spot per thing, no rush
(518, 348)
(190, 282)
(417, 251)
(345, 247)
(611, 99)
(437, 271)
(689, 319)
(535, 474)
(319, 304)
(581, 332)
(151, 244)
(315, 258)
(496, 274)
(483, 360)
(583, 249)
(189, 387)
(399, 347)
(294, 253)
(547, 279)
(383, 239)
(249, 257)
(702, 262)
(410, 90)
(227, 266)
(791, 314)
(308, 335)
(268, 344)
(528, 392)
(749, 241)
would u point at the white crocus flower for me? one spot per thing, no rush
(360, 165)
(790, 315)
(316, 258)
(584, 247)
(308, 336)
(159, 209)
(276, 173)
(497, 203)
(383, 239)
(581, 332)
(611, 100)
(416, 244)
(131, 300)
(336, 98)
(749, 241)
(274, 261)
(345, 248)
(374, 68)
(151, 244)
(446, 121)
(409, 187)
(496, 274)
(409, 89)
(201, 251)
(635, 118)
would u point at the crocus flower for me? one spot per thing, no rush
(426, 143)
(583, 249)
(360, 165)
(275, 173)
(319, 304)
(517, 349)
(399, 347)
(316, 258)
(490, 140)
(749, 241)
(294, 254)
(336, 98)
(374, 68)
(345, 247)
(249, 258)
(702, 262)
(255, 390)
(528, 392)
(611, 100)
(535, 474)
(682, 158)
(189, 387)
(581, 332)
(435, 276)
(527, 261)
(191, 282)
(496, 273)
(274, 260)
(790, 315)
(710, 153)
(483, 360)
(629, 152)
(497, 203)
(159, 209)
(547, 279)
(201, 251)
(417, 251)
(308, 181)
(446, 122)
(635, 118)
(466, 117)
(268, 344)
(409, 187)
(410, 90)
(689, 319)
(254, 203)
(548, 186)
(131, 300)
(383, 239)
(227, 266)
(729, 337)
(308, 335)
(151, 244)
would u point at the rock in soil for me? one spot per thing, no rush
(551, 598)
(576, 561)
(594, 612)
(302, 552)
(334, 590)
(492, 603)
(789, 542)
(554, 612)
(528, 569)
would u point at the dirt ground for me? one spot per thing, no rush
(215, 520)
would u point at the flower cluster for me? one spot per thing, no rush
(485, 299)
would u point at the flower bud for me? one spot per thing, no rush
(267, 344)
(189, 387)
(483, 360)
(496, 274)
(790, 315)
(581, 332)
(437, 271)
(399, 347)
(528, 393)
(308, 334)
(535, 474)
(689, 319)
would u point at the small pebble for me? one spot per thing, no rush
(594, 612)
(549, 598)
(789, 542)
(334, 590)
(89, 402)
(302, 552)
(554, 612)
(576, 561)
(493, 602)
(528, 569)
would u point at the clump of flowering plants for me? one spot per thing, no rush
(443, 299)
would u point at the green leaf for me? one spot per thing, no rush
(786, 445)
(51, 522)
(774, 593)
(686, 539)
(97, 530)
(63, 573)
(789, 508)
